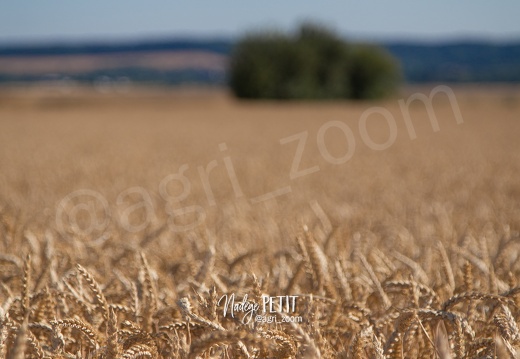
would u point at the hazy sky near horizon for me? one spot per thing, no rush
(58, 20)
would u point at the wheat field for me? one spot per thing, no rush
(127, 219)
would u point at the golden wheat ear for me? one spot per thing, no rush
(19, 345)
(113, 348)
(150, 294)
(99, 298)
(26, 283)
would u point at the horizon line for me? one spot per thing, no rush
(151, 38)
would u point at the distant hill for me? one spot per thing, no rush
(183, 61)
(458, 62)
(219, 46)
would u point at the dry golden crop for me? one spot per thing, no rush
(410, 251)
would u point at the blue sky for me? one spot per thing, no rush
(75, 20)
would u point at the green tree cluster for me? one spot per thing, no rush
(313, 64)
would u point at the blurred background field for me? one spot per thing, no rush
(55, 143)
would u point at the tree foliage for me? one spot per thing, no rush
(313, 64)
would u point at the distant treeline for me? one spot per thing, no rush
(458, 62)
(314, 63)
(420, 63)
(219, 46)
